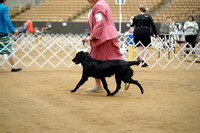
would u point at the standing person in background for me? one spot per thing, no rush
(103, 36)
(190, 30)
(131, 28)
(129, 35)
(49, 27)
(142, 23)
(29, 26)
(5, 44)
(164, 28)
(164, 32)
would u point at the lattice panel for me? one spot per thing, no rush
(57, 51)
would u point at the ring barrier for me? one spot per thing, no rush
(56, 51)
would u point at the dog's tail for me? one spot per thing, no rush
(130, 63)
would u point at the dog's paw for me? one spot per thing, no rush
(72, 91)
(110, 94)
(142, 92)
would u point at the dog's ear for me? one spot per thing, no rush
(87, 54)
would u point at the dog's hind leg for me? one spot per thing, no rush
(118, 82)
(130, 80)
(105, 86)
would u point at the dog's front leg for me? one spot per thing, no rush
(81, 82)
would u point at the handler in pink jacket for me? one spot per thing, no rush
(103, 36)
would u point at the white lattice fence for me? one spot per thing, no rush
(57, 51)
(44, 51)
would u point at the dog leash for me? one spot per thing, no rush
(86, 45)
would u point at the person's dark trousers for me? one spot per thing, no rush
(190, 39)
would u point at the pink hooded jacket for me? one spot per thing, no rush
(101, 23)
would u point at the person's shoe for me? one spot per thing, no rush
(144, 65)
(16, 70)
(95, 90)
(127, 85)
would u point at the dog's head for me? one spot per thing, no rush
(80, 57)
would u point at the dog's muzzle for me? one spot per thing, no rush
(76, 62)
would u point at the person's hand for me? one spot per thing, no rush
(157, 36)
(190, 27)
(86, 39)
(16, 32)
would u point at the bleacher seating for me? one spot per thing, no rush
(77, 10)
(131, 8)
(55, 10)
(178, 10)
(16, 10)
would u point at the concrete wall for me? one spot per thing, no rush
(12, 3)
(72, 27)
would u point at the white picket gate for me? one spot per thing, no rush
(57, 51)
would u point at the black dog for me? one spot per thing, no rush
(101, 69)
